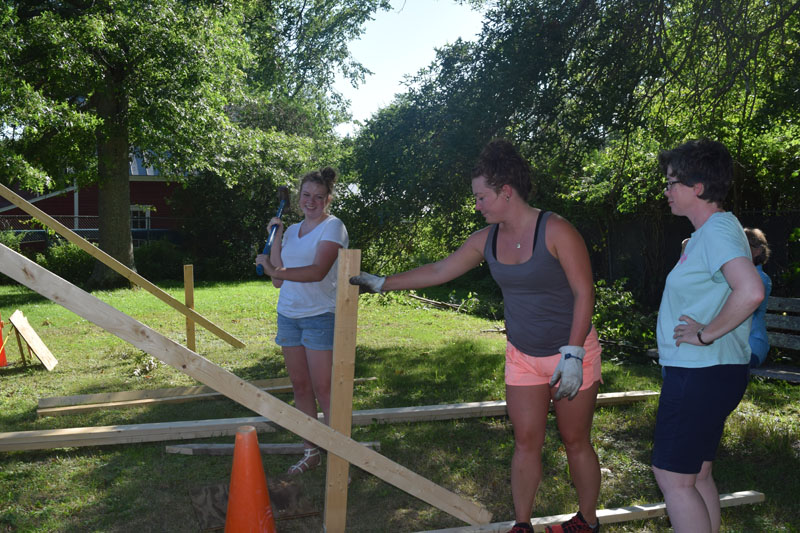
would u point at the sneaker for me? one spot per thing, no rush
(576, 524)
(521, 527)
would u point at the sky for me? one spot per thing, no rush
(401, 41)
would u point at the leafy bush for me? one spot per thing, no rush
(12, 240)
(159, 260)
(66, 260)
(620, 320)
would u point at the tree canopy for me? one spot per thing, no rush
(589, 91)
(189, 86)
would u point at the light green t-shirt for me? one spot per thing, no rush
(696, 287)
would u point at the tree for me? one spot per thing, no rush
(177, 82)
(590, 91)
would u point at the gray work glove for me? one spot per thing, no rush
(569, 371)
(368, 283)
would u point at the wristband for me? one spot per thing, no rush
(704, 343)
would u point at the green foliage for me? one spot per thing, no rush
(66, 260)
(620, 320)
(610, 84)
(11, 239)
(791, 277)
(159, 260)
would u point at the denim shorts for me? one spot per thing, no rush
(692, 409)
(313, 332)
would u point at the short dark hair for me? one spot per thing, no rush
(701, 161)
(502, 164)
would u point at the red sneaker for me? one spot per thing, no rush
(521, 527)
(576, 524)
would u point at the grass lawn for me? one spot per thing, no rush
(420, 356)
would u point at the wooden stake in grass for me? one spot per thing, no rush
(114, 321)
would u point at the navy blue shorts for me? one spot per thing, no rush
(692, 409)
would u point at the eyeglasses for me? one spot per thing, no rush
(671, 184)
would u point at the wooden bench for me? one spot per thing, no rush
(783, 330)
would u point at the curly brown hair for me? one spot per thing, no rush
(500, 163)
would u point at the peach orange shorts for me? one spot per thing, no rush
(525, 370)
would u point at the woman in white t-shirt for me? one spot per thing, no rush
(302, 264)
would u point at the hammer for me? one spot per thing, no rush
(283, 194)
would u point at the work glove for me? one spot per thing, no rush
(368, 283)
(569, 371)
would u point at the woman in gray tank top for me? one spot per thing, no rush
(541, 264)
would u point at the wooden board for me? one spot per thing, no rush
(267, 449)
(97, 436)
(789, 305)
(786, 374)
(784, 340)
(34, 342)
(610, 516)
(342, 372)
(151, 397)
(201, 391)
(114, 321)
(115, 265)
(125, 434)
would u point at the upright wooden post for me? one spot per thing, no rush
(342, 373)
(188, 290)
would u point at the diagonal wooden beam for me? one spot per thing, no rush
(115, 265)
(114, 321)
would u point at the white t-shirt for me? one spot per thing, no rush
(697, 288)
(304, 299)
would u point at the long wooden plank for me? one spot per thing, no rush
(114, 321)
(609, 516)
(273, 384)
(777, 303)
(35, 343)
(89, 402)
(342, 373)
(270, 385)
(115, 265)
(96, 436)
(787, 322)
(792, 375)
(123, 434)
(784, 340)
(227, 449)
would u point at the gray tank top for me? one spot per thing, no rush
(537, 298)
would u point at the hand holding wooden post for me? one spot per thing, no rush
(283, 195)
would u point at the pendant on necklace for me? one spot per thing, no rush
(517, 246)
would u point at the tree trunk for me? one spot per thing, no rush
(114, 196)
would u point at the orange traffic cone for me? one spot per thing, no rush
(3, 361)
(249, 510)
